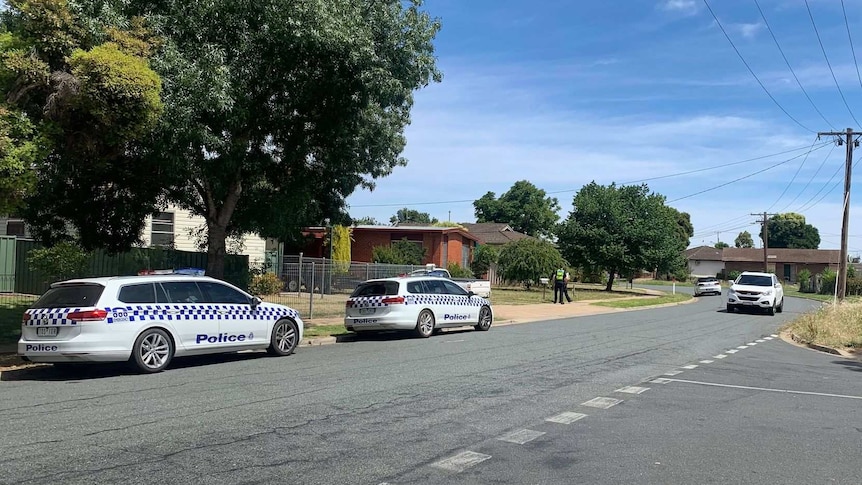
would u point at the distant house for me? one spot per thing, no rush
(443, 245)
(494, 233)
(786, 263)
(704, 261)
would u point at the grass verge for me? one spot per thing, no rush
(523, 296)
(837, 326)
(314, 331)
(645, 301)
(649, 282)
(794, 292)
(11, 310)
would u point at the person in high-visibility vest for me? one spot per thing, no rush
(560, 286)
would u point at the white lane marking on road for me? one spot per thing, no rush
(673, 373)
(766, 389)
(720, 356)
(635, 389)
(751, 344)
(760, 340)
(742, 347)
(690, 366)
(731, 351)
(767, 338)
(602, 402)
(567, 417)
(660, 380)
(461, 461)
(521, 436)
(452, 341)
(774, 336)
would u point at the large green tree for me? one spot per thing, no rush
(80, 99)
(744, 240)
(789, 230)
(684, 227)
(622, 230)
(527, 260)
(525, 207)
(413, 216)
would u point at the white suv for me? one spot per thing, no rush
(147, 320)
(756, 290)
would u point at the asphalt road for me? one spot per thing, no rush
(400, 410)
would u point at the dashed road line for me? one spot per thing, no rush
(765, 389)
(636, 389)
(602, 402)
(731, 351)
(760, 340)
(690, 366)
(720, 356)
(567, 417)
(521, 436)
(673, 373)
(742, 347)
(661, 380)
(768, 338)
(751, 344)
(461, 461)
(774, 336)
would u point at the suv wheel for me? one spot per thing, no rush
(730, 308)
(780, 307)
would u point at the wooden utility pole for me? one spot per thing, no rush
(765, 233)
(851, 139)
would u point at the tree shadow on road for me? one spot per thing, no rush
(854, 365)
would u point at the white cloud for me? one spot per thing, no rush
(748, 31)
(684, 6)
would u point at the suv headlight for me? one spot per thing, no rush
(767, 292)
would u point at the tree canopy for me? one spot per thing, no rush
(721, 245)
(263, 116)
(524, 206)
(399, 252)
(412, 216)
(622, 230)
(526, 260)
(789, 230)
(684, 229)
(744, 240)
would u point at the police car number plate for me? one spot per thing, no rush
(47, 331)
(366, 311)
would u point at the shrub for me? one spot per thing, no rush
(733, 275)
(265, 284)
(827, 281)
(804, 278)
(61, 262)
(854, 286)
(458, 271)
(399, 252)
(483, 258)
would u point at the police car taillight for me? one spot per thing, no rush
(25, 318)
(87, 315)
(393, 300)
(348, 304)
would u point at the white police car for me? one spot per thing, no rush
(423, 304)
(147, 320)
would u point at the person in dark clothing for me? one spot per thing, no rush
(560, 286)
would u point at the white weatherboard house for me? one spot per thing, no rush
(704, 261)
(180, 227)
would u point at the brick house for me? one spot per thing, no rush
(443, 245)
(785, 263)
(494, 233)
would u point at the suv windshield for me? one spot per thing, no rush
(376, 288)
(754, 280)
(706, 280)
(70, 296)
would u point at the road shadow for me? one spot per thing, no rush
(71, 372)
(394, 335)
(853, 365)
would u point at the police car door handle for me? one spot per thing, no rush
(223, 312)
(173, 311)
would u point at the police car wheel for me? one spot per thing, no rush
(153, 350)
(285, 337)
(425, 324)
(485, 318)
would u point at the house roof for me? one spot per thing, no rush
(402, 229)
(703, 253)
(784, 255)
(494, 232)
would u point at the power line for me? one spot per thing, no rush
(789, 184)
(798, 82)
(752, 71)
(804, 207)
(829, 64)
(742, 178)
(783, 209)
(850, 37)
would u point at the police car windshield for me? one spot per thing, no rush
(376, 288)
(70, 296)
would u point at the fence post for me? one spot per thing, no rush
(311, 294)
(322, 278)
(367, 271)
(299, 277)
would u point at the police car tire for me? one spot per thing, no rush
(485, 319)
(144, 342)
(284, 339)
(425, 324)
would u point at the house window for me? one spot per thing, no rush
(162, 233)
(15, 228)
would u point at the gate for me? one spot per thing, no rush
(7, 264)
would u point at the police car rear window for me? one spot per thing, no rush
(70, 296)
(376, 288)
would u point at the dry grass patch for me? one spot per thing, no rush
(646, 301)
(523, 296)
(832, 326)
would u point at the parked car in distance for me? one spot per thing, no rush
(756, 290)
(707, 286)
(148, 320)
(477, 286)
(419, 303)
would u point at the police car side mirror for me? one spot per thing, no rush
(471, 294)
(255, 301)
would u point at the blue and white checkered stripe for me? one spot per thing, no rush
(369, 302)
(50, 316)
(454, 300)
(138, 313)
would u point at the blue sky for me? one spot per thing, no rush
(562, 93)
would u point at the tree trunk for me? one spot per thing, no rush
(216, 249)
(611, 274)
